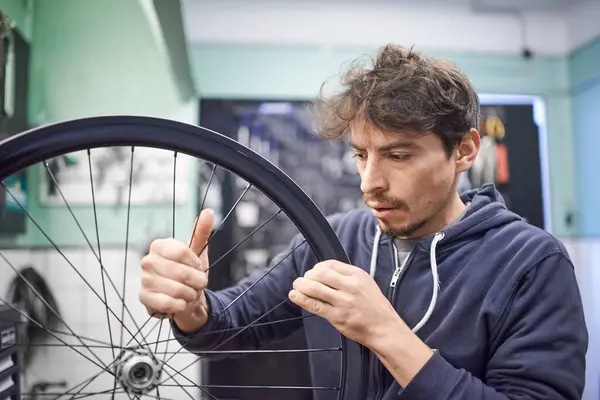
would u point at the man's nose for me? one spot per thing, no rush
(373, 178)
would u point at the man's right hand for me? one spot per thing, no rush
(174, 277)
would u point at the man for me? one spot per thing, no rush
(455, 296)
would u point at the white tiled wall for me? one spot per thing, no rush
(585, 254)
(85, 314)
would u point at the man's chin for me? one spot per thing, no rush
(399, 230)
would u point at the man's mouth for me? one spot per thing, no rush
(382, 210)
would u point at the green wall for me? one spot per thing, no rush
(21, 13)
(296, 72)
(98, 57)
(585, 81)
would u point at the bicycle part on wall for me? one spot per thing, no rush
(14, 100)
(510, 158)
(281, 132)
(150, 173)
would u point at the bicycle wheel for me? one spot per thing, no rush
(136, 370)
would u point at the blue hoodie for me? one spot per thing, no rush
(507, 322)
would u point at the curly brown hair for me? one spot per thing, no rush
(402, 90)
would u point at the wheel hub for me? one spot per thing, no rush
(138, 371)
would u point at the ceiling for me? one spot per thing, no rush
(476, 5)
(523, 5)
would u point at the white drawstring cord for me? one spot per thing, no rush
(373, 265)
(434, 272)
(436, 282)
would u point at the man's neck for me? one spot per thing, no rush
(445, 217)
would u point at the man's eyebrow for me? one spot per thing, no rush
(397, 144)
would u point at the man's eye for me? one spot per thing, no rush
(359, 156)
(397, 156)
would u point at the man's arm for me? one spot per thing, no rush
(252, 297)
(541, 354)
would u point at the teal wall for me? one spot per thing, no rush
(296, 72)
(21, 13)
(585, 81)
(97, 57)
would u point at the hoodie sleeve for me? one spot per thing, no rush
(543, 343)
(252, 298)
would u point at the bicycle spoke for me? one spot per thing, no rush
(178, 384)
(206, 392)
(60, 192)
(83, 395)
(87, 382)
(85, 346)
(158, 336)
(51, 334)
(231, 337)
(257, 325)
(248, 186)
(243, 240)
(41, 298)
(174, 190)
(142, 327)
(166, 345)
(210, 178)
(127, 241)
(55, 246)
(100, 342)
(260, 279)
(106, 344)
(159, 397)
(102, 272)
(248, 326)
(261, 387)
(86, 395)
(172, 230)
(281, 351)
(235, 329)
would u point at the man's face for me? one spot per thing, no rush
(407, 179)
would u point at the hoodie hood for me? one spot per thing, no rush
(487, 210)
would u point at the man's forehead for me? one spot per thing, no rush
(364, 136)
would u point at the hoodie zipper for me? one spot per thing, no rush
(398, 269)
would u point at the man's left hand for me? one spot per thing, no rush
(349, 299)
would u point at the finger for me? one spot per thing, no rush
(310, 304)
(158, 284)
(202, 229)
(175, 271)
(156, 314)
(172, 249)
(326, 276)
(339, 267)
(316, 290)
(161, 303)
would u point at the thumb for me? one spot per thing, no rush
(202, 229)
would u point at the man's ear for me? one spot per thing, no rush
(467, 150)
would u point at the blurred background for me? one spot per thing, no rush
(246, 69)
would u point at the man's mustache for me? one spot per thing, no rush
(388, 201)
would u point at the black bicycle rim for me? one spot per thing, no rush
(43, 143)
